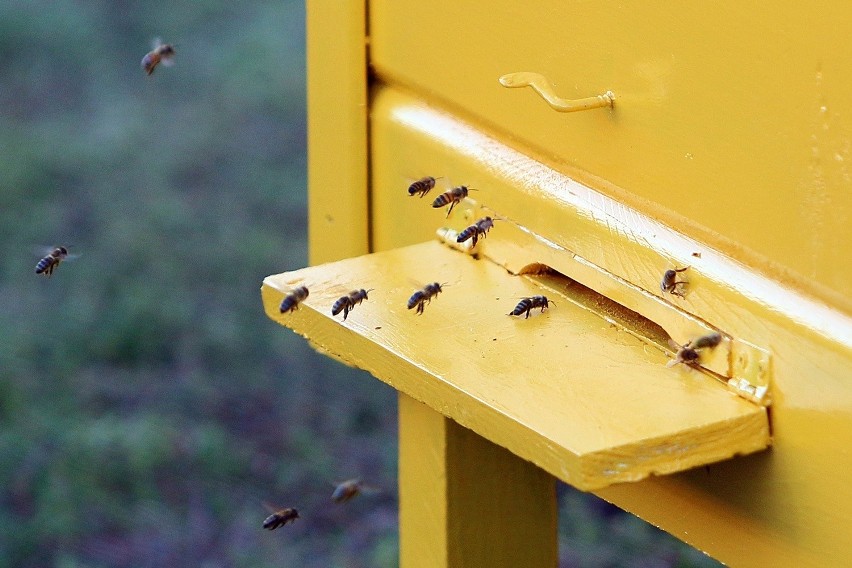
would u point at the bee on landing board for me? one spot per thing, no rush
(476, 231)
(346, 490)
(50, 261)
(347, 303)
(291, 301)
(162, 53)
(421, 297)
(670, 283)
(422, 186)
(689, 353)
(452, 197)
(529, 304)
(280, 518)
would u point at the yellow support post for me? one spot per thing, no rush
(467, 502)
(338, 215)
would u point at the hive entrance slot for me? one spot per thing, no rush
(608, 309)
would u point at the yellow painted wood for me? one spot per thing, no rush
(467, 502)
(338, 220)
(632, 250)
(517, 249)
(787, 506)
(564, 389)
(730, 122)
(710, 135)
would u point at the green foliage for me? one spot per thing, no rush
(148, 408)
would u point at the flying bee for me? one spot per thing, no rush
(670, 283)
(347, 303)
(528, 304)
(452, 197)
(421, 297)
(477, 230)
(346, 490)
(162, 53)
(50, 261)
(280, 518)
(689, 353)
(291, 301)
(421, 186)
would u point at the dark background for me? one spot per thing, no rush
(148, 408)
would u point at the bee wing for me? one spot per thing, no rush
(42, 251)
(156, 42)
(369, 489)
(167, 60)
(442, 184)
(269, 507)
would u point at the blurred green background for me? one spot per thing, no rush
(148, 408)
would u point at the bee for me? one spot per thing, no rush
(477, 230)
(689, 353)
(162, 53)
(451, 197)
(686, 354)
(670, 284)
(710, 340)
(280, 518)
(421, 297)
(422, 186)
(291, 300)
(49, 263)
(528, 304)
(346, 303)
(346, 490)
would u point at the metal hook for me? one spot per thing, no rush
(543, 87)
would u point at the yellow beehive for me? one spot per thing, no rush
(725, 150)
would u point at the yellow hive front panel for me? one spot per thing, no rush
(731, 120)
(784, 506)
